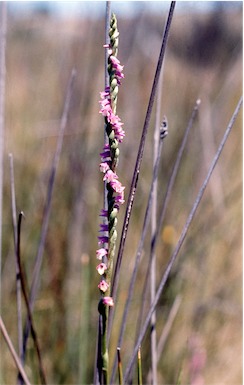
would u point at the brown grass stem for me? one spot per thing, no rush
(182, 237)
(120, 370)
(138, 162)
(13, 352)
(15, 231)
(25, 295)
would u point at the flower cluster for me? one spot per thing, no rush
(109, 161)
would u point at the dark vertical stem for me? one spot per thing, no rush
(138, 162)
(18, 283)
(25, 295)
(120, 371)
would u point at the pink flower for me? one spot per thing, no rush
(103, 286)
(110, 176)
(101, 253)
(117, 186)
(104, 167)
(108, 301)
(117, 67)
(101, 268)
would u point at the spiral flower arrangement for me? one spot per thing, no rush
(114, 188)
(109, 161)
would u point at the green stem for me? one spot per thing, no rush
(139, 369)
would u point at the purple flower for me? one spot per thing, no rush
(120, 198)
(103, 213)
(102, 239)
(103, 227)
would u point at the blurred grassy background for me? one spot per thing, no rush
(203, 60)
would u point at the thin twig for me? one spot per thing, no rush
(120, 370)
(182, 237)
(13, 352)
(138, 163)
(47, 209)
(15, 230)
(25, 295)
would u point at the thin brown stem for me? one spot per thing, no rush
(138, 163)
(25, 295)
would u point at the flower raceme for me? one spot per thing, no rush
(109, 161)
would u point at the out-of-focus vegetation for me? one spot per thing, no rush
(203, 60)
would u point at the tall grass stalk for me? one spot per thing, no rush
(182, 238)
(26, 300)
(138, 162)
